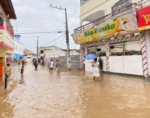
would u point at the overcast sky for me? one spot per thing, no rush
(37, 16)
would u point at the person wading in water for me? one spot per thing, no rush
(96, 70)
(7, 71)
(35, 65)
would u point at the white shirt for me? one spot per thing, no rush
(51, 64)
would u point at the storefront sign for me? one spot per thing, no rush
(143, 16)
(121, 25)
(5, 39)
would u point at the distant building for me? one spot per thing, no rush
(28, 52)
(18, 49)
(54, 51)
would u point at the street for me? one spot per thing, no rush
(71, 94)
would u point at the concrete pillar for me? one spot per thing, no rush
(144, 55)
(107, 56)
(147, 32)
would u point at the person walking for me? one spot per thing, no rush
(22, 71)
(96, 70)
(23, 62)
(19, 61)
(69, 65)
(36, 65)
(51, 67)
(43, 63)
(7, 69)
(100, 62)
(58, 65)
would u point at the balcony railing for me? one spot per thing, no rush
(129, 9)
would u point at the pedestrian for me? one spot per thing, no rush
(83, 62)
(36, 65)
(23, 62)
(43, 63)
(96, 70)
(51, 67)
(100, 62)
(19, 61)
(69, 66)
(7, 69)
(58, 65)
(22, 71)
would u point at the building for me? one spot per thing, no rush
(91, 10)
(54, 51)
(6, 32)
(113, 33)
(18, 49)
(28, 53)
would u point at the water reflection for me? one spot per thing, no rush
(40, 94)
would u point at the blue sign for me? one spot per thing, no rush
(17, 37)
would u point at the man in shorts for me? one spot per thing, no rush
(51, 67)
(58, 65)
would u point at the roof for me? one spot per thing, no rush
(50, 48)
(8, 8)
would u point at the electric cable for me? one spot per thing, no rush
(40, 11)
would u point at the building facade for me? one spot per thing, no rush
(115, 36)
(18, 50)
(6, 32)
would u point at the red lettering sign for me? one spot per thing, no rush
(143, 16)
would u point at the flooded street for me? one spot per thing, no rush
(73, 95)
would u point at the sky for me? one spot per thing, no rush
(34, 16)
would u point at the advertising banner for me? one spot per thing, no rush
(143, 16)
(112, 27)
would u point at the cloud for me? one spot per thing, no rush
(37, 16)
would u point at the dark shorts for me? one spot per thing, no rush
(51, 69)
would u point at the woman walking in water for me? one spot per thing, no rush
(96, 70)
(51, 67)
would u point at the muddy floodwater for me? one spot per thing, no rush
(72, 94)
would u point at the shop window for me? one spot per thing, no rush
(116, 49)
(92, 50)
(132, 48)
(101, 51)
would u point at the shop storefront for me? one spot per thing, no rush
(143, 16)
(6, 45)
(119, 43)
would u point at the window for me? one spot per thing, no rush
(101, 51)
(116, 49)
(132, 48)
(126, 48)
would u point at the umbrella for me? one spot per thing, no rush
(91, 57)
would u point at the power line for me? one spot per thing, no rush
(37, 32)
(40, 10)
(52, 41)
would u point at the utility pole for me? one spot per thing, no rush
(67, 32)
(37, 46)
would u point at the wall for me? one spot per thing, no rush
(19, 45)
(2, 66)
(93, 6)
(6, 23)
